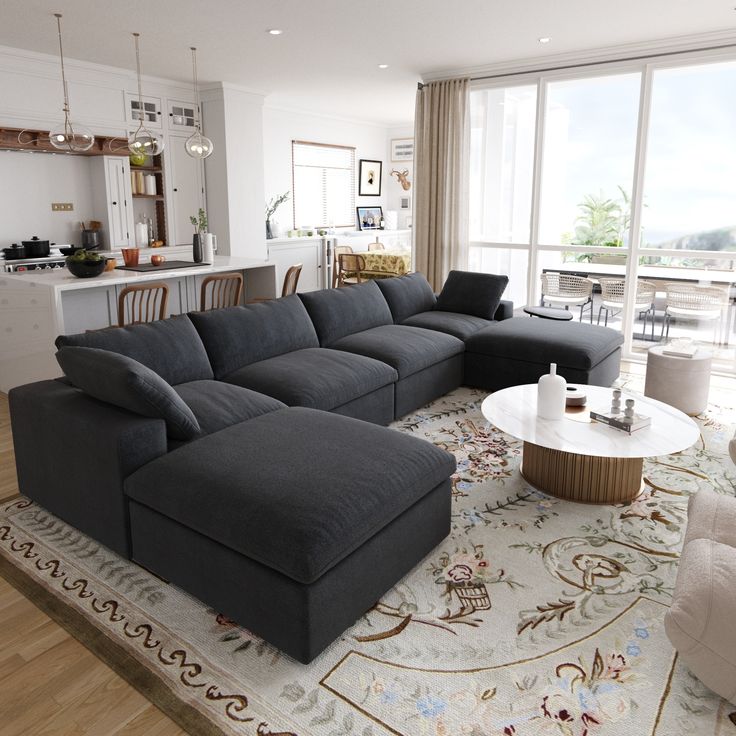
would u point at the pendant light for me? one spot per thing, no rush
(197, 145)
(143, 141)
(66, 136)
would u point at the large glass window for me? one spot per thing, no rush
(588, 160)
(690, 176)
(502, 163)
(324, 185)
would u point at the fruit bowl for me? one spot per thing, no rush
(85, 269)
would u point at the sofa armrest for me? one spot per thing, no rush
(73, 452)
(505, 310)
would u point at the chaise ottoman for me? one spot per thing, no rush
(519, 350)
(293, 523)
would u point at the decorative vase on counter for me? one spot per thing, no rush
(551, 395)
(269, 234)
(197, 248)
(210, 246)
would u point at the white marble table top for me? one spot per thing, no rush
(514, 410)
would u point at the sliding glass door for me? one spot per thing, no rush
(622, 175)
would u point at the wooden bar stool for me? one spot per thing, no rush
(142, 303)
(290, 283)
(221, 290)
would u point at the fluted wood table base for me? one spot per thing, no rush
(582, 478)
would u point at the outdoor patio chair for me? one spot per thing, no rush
(565, 290)
(612, 300)
(690, 301)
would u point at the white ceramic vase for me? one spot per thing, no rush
(551, 398)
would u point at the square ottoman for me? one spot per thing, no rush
(519, 350)
(293, 523)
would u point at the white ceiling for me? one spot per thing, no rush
(327, 59)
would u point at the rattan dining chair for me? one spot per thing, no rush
(340, 250)
(220, 290)
(142, 303)
(565, 290)
(376, 246)
(350, 266)
(690, 301)
(612, 300)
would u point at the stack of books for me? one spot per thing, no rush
(639, 421)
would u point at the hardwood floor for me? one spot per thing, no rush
(50, 684)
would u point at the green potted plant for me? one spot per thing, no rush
(271, 208)
(200, 228)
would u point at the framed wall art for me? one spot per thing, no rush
(369, 218)
(369, 178)
(402, 149)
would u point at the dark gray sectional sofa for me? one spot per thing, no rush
(237, 453)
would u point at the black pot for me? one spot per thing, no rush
(86, 269)
(14, 252)
(90, 239)
(36, 248)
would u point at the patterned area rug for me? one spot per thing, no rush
(536, 616)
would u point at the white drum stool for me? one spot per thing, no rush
(679, 382)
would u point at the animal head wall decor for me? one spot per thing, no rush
(402, 178)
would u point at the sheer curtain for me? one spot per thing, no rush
(441, 160)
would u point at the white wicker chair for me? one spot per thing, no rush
(566, 290)
(691, 301)
(612, 300)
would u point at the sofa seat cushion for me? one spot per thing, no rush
(473, 293)
(339, 312)
(217, 405)
(119, 380)
(459, 325)
(570, 344)
(238, 336)
(407, 295)
(408, 349)
(265, 488)
(317, 378)
(170, 347)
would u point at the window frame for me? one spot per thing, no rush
(351, 169)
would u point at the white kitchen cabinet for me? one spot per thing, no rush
(287, 252)
(112, 199)
(185, 189)
(150, 114)
(181, 116)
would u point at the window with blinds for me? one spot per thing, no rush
(324, 184)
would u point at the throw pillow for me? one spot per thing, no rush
(124, 382)
(466, 292)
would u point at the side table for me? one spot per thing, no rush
(679, 382)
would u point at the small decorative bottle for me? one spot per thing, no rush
(551, 391)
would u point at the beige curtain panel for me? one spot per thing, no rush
(441, 161)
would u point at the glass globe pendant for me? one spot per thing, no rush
(197, 145)
(66, 136)
(143, 142)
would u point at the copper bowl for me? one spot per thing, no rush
(158, 260)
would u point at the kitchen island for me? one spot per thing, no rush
(37, 306)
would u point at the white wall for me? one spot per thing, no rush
(394, 191)
(30, 182)
(280, 127)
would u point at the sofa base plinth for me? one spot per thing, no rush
(300, 619)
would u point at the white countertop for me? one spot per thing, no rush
(62, 280)
(514, 410)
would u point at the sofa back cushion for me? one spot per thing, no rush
(407, 295)
(339, 312)
(124, 382)
(467, 292)
(238, 336)
(170, 347)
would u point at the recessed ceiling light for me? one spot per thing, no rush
(275, 31)
(383, 66)
(544, 39)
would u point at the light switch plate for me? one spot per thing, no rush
(62, 206)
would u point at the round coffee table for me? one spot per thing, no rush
(581, 460)
(561, 315)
